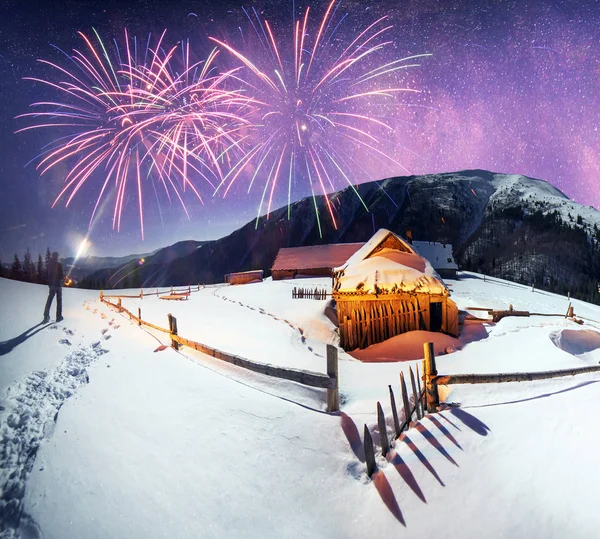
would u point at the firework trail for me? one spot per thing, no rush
(323, 105)
(127, 115)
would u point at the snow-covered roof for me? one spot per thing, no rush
(440, 255)
(387, 263)
(314, 256)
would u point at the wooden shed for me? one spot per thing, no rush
(386, 289)
(311, 261)
(244, 277)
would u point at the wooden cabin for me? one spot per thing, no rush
(244, 277)
(385, 289)
(311, 261)
(440, 256)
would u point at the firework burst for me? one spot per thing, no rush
(128, 115)
(322, 104)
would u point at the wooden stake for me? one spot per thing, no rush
(394, 413)
(333, 395)
(369, 452)
(415, 394)
(141, 295)
(385, 444)
(405, 401)
(173, 330)
(101, 295)
(119, 305)
(139, 316)
(433, 399)
(420, 392)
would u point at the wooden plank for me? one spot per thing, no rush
(415, 393)
(394, 412)
(511, 376)
(333, 394)
(405, 402)
(369, 452)
(295, 375)
(385, 444)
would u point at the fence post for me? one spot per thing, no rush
(119, 305)
(173, 330)
(407, 414)
(421, 394)
(101, 296)
(369, 452)
(433, 399)
(333, 395)
(385, 444)
(139, 316)
(394, 412)
(141, 294)
(171, 289)
(189, 289)
(415, 394)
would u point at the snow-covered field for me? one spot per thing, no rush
(107, 434)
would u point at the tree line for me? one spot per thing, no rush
(28, 270)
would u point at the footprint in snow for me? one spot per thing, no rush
(106, 337)
(65, 342)
(104, 331)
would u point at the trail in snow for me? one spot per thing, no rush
(29, 414)
(274, 317)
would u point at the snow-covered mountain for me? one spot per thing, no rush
(510, 226)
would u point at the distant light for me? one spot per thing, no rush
(303, 127)
(141, 261)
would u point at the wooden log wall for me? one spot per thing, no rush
(364, 322)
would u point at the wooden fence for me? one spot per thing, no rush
(329, 381)
(426, 399)
(432, 379)
(308, 293)
(363, 323)
(186, 290)
(409, 410)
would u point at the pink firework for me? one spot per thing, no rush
(323, 104)
(124, 120)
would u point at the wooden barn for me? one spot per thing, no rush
(385, 289)
(312, 261)
(244, 277)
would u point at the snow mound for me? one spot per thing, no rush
(407, 346)
(577, 342)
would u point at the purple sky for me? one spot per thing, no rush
(512, 88)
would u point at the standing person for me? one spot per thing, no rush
(55, 280)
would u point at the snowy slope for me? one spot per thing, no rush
(156, 443)
(513, 190)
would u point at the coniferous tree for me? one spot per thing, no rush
(28, 267)
(16, 270)
(39, 278)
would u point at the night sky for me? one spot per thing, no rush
(512, 87)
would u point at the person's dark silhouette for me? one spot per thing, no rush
(55, 280)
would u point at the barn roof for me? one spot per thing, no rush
(314, 256)
(387, 263)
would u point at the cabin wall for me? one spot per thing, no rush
(366, 320)
(244, 277)
(304, 272)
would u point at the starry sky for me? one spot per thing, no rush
(511, 87)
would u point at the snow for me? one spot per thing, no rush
(513, 188)
(106, 435)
